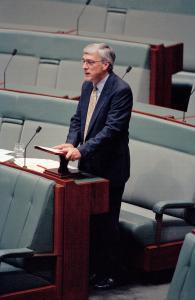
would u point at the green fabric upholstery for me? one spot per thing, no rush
(154, 130)
(10, 128)
(161, 182)
(35, 107)
(26, 227)
(50, 63)
(182, 285)
(26, 210)
(13, 279)
(21, 114)
(138, 225)
(51, 46)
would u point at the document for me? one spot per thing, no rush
(5, 155)
(37, 164)
(5, 151)
(50, 150)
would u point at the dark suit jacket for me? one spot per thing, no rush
(105, 151)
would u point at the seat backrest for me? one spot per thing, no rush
(47, 73)
(162, 168)
(25, 65)
(182, 285)
(159, 174)
(70, 77)
(11, 128)
(115, 21)
(136, 78)
(157, 24)
(21, 114)
(49, 136)
(26, 210)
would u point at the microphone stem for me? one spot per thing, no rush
(124, 75)
(4, 79)
(4, 74)
(26, 149)
(24, 166)
(78, 19)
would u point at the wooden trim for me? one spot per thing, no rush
(173, 63)
(167, 118)
(164, 62)
(43, 293)
(161, 257)
(154, 257)
(156, 74)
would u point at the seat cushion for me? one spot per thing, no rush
(139, 225)
(14, 279)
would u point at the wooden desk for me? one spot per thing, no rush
(81, 198)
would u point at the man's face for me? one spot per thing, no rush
(93, 67)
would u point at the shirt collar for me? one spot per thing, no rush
(101, 83)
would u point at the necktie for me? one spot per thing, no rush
(91, 107)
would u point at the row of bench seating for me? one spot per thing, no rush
(162, 169)
(31, 254)
(50, 64)
(119, 22)
(148, 26)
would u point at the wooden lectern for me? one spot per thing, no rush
(63, 171)
(81, 197)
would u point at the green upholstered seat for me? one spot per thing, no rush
(26, 227)
(159, 195)
(13, 279)
(182, 285)
(21, 114)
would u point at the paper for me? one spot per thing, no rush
(34, 163)
(5, 151)
(4, 157)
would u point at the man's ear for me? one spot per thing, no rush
(108, 67)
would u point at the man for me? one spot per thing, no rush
(99, 140)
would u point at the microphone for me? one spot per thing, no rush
(4, 73)
(37, 131)
(128, 69)
(82, 11)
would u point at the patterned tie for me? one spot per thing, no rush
(91, 107)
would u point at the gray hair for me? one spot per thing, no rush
(106, 52)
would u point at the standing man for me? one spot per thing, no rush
(98, 137)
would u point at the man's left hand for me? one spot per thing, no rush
(73, 154)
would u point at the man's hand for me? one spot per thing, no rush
(69, 151)
(73, 154)
(63, 147)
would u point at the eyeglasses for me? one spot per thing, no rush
(89, 62)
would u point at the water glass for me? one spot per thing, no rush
(19, 154)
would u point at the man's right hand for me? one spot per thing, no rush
(64, 147)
